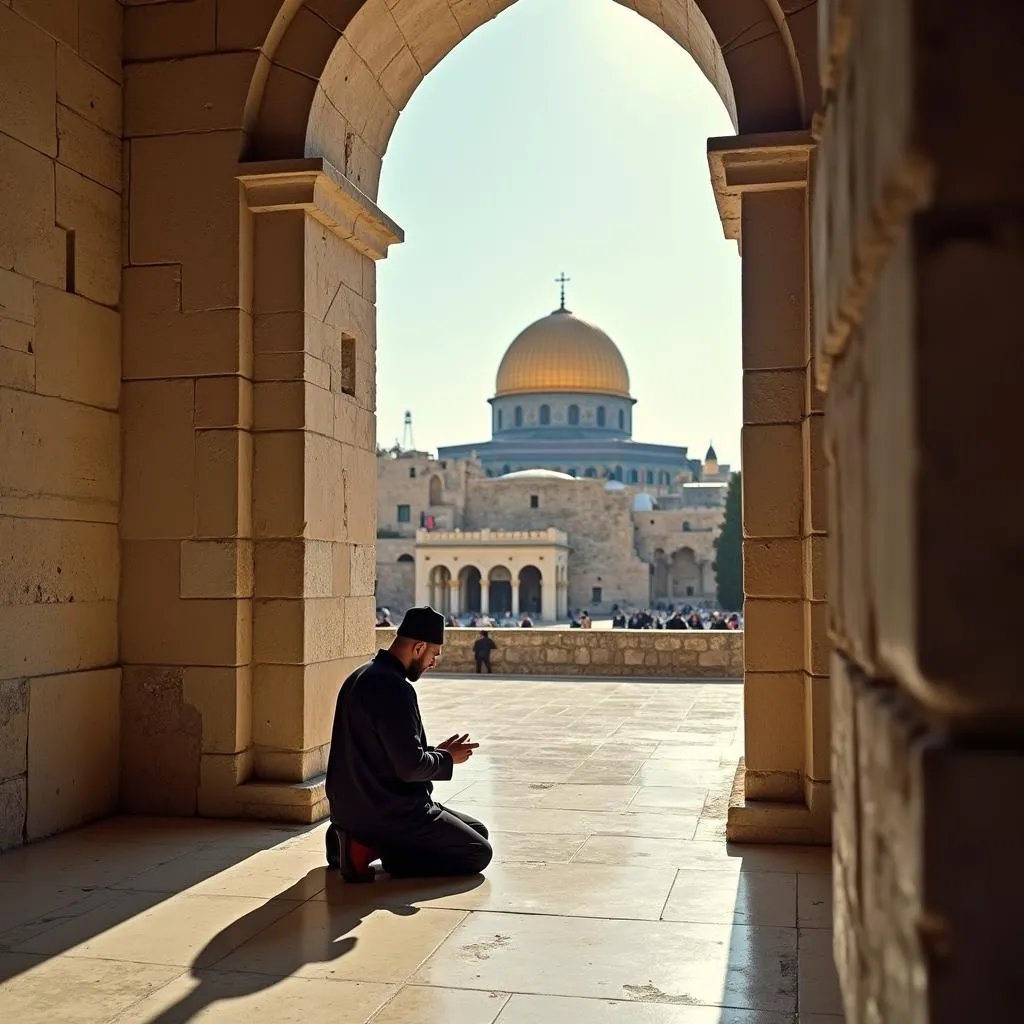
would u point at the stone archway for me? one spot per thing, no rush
(470, 589)
(440, 584)
(686, 575)
(294, 104)
(530, 584)
(499, 591)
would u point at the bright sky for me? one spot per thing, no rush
(564, 135)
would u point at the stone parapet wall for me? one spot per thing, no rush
(597, 652)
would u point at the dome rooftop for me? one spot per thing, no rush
(536, 474)
(563, 353)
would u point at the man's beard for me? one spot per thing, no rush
(416, 669)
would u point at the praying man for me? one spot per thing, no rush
(381, 769)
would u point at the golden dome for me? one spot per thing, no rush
(561, 352)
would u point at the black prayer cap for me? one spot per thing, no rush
(423, 624)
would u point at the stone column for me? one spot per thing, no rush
(761, 185)
(515, 596)
(548, 598)
(485, 596)
(454, 601)
(314, 240)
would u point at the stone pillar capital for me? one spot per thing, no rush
(321, 190)
(771, 162)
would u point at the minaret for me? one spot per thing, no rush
(710, 470)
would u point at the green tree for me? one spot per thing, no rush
(728, 564)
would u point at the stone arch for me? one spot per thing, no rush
(531, 582)
(436, 490)
(333, 75)
(545, 415)
(470, 588)
(686, 574)
(439, 589)
(659, 575)
(574, 416)
(601, 416)
(499, 589)
(406, 558)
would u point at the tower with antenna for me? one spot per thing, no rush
(408, 444)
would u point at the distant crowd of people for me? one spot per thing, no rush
(475, 620)
(686, 617)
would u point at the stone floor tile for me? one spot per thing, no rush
(527, 1009)
(151, 928)
(536, 848)
(322, 940)
(559, 796)
(814, 901)
(619, 849)
(299, 872)
(214, 997)
(729, 897)
(23, 903)
(680, 798)
(421, 1004)
(819, 983)
(666, 824)
(70, 990)
(567, 890)
(749, 968)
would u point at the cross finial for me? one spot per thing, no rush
(563, 281)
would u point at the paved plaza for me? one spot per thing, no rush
(612, 899)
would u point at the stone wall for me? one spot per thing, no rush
(396, 581)
(674, 654)
(60, 441)
(599, 524)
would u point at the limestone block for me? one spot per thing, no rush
(818, 727)
(295, 568)
(299, 631)
(17, 370)
(184, 209)
(158, 31)
(51, 637)
(160, 628)
(194, 94)
(774, 295)
(712, 659)
(307, 43)
(53, 448)
(31, 243)
(774, 721)
(279, 481)
(77, 349)
(774, 635)
(100, 36)
(815, 568)
(159, 459)
(28, 102)
(773, 396)
(431, 33)
(216, 568)
(772, 481)
(818, 647)
(88, 91)
(73, 749)
(375, 36)
(333, 280)
(13, 727)
(13, 799)
(401, 77)
(363, 567)
(17, 301)
(291, 766)
(293, 405)
(332, 473)
(93, 213)
(151, 289)
(162, 345)
(223, 488)
(224, 402)
(57, 562)
(360, 473)
(364, 166)
(360, 616)
(57, 17)
(88, 149)
(161, 743)
(773, 568)
(223, 696)
(280, 263)
(815, 500)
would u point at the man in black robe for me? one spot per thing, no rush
(381, 767)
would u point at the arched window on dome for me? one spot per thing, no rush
(519, 416)
(664, 479)
(572, 471)
(590, 472)
(505, 469)
(600, 416)
(622, 419)
(499, 419)
(633, 476)
(617, 475)
(545, 415)
(650, 476)
(574, 415)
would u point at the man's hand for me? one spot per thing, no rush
(459, 747)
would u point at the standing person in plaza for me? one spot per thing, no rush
(381, 767)
(482, 651)
(585, 622)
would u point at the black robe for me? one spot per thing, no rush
(380, 768)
